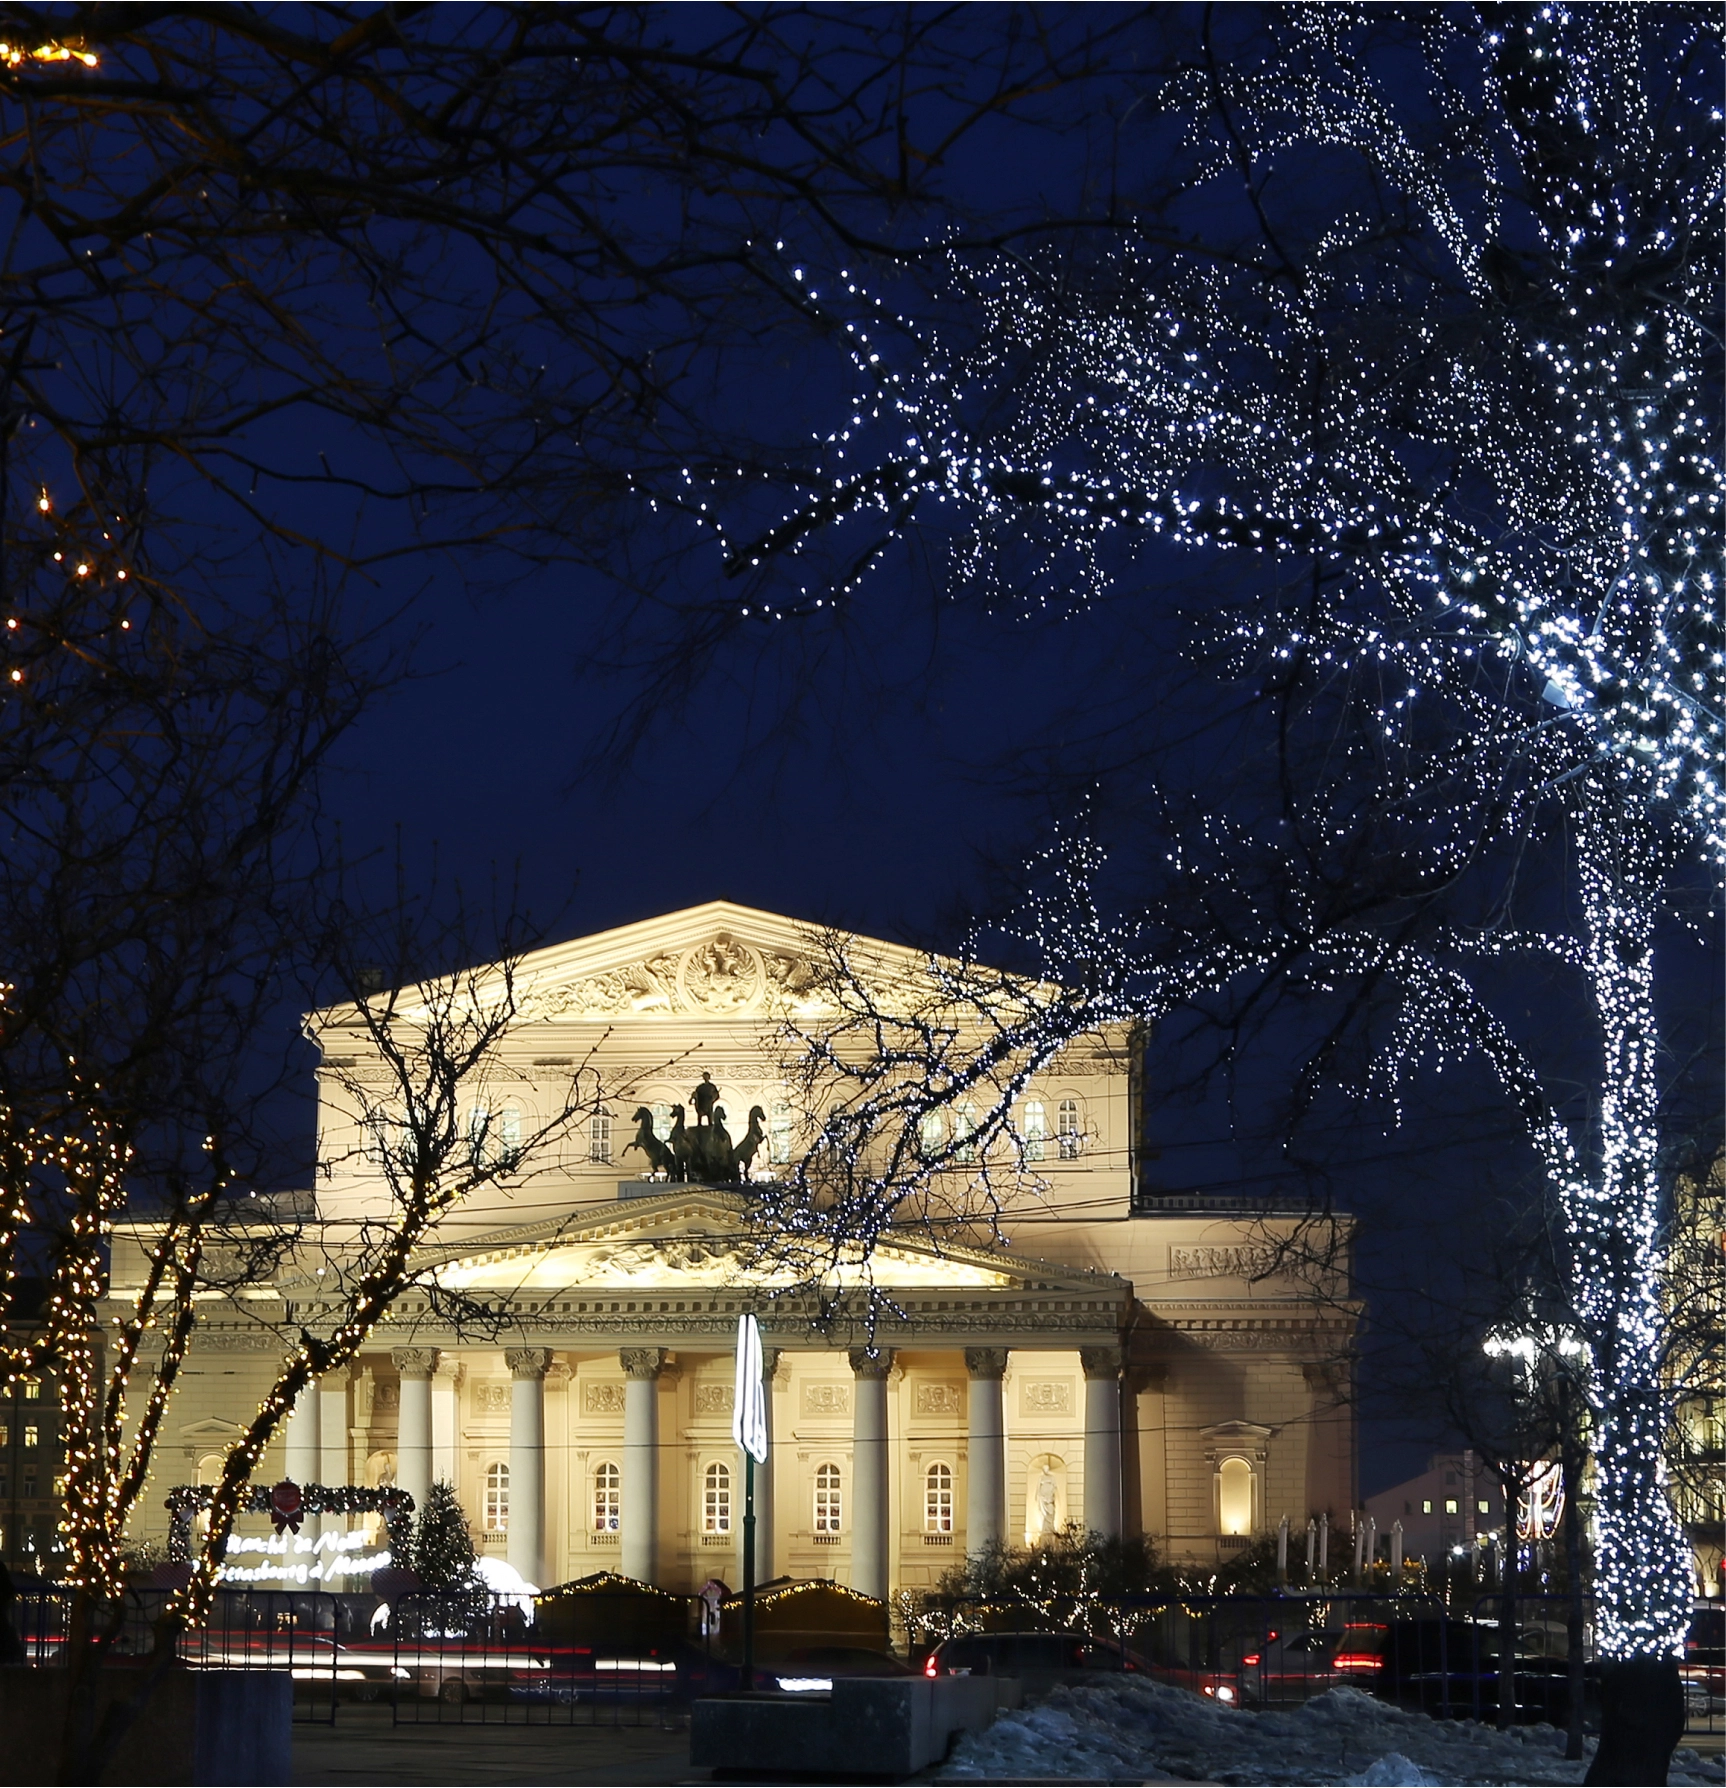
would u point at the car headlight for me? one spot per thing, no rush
(1224, 1692)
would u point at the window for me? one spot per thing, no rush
(662, 1121)
(494, 1137)
(828, 1503)
(1067, 1127)
(607, 1497)
(1235, 1496)
(5, 1434)
(1450, 1505)
(1426, 1506)
(1036, 1129)
(497, 1497)
(1484, 1506)
(29, 1482)
(931, 1133)
(779, 1136)
(599, 1136)
(964, 1128)
(716, 1500)
(32, 1388)
(32, 1436)
(938, 1499)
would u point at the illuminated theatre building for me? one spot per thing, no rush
(1114, 1365)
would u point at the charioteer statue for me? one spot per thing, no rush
(702, 1154)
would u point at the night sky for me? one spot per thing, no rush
(879, 772)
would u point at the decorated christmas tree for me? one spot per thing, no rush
(442, 1549)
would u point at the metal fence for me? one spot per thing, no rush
(307, 1634)
(479, 1661)
(1279, 1650)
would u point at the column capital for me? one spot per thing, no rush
(871, 1362)
(451, 1368)
(414, 1362)
(1101, 1362)
(775, 1365)
(986, 1362)
(559, 1373)
(527, 1362)
(642, 1362)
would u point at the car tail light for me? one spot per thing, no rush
(930, 1667)
(1252, 1657)
(1357, 1660)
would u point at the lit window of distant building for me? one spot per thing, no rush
(1036, 1129)
(1067, 1128)
(938, 1499)
(716, 1500)
(1450, 1505)
(607, 1497)
(828, 1505)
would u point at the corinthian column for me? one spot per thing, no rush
(414, 1422)
(869, 1470)
(527, 1460)
(1102, 1439)
(638, 1543)
(986, 1451)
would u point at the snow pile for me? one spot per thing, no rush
(1139, 1730)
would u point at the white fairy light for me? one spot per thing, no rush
(1555, 591)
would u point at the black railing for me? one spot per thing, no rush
(304, 1633)
(485, 1661)
(1279, 1650)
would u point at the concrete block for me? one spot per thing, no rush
(245, 1730)
(199, 1726)
(888, 1727)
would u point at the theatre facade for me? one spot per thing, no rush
(1122, 1362)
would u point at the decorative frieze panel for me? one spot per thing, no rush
(490, 1397)
(1046, 1396)
(827, 1399)
(722, 977)
(1217, 1263)
(939, 1399)
(715, 1399)
(602, 1399)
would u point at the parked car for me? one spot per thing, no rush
(1038, 1659)
(1450, 1667)
(1291, 1667)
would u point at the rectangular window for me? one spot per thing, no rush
(1067, 1126)
(1426, 1509)
(779, 1136)
(1450, 1506)
(32, 1390)
(5, 1434)
(607, 1498)
(29, 1482)
(32, 1436)
(964, 1128)
(1036, 1129)
(716, 1501)
(599, 1136)
(1485, 1509)
(827, 1499)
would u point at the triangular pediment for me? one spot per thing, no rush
(699, 1238)
(718, 960)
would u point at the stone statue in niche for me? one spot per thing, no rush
(1043, 1522)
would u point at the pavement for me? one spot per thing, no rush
(362, 1746)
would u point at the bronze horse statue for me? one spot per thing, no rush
(744, 1153)
(659, 1157)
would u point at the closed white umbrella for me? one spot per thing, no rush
(749, 1430)
(749, 1406)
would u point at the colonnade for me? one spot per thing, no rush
(317, 1449)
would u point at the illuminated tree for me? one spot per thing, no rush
(1434, 335)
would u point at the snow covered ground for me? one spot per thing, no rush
(1135, 1730)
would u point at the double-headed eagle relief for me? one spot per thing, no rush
(702, 1152)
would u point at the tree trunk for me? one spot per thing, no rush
(1507, 1621)
(1642, 1707)
(1575, 1612)
(1617, 1263)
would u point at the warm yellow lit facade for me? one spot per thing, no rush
(1113, 1364)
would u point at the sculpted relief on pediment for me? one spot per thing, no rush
(722, 977)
